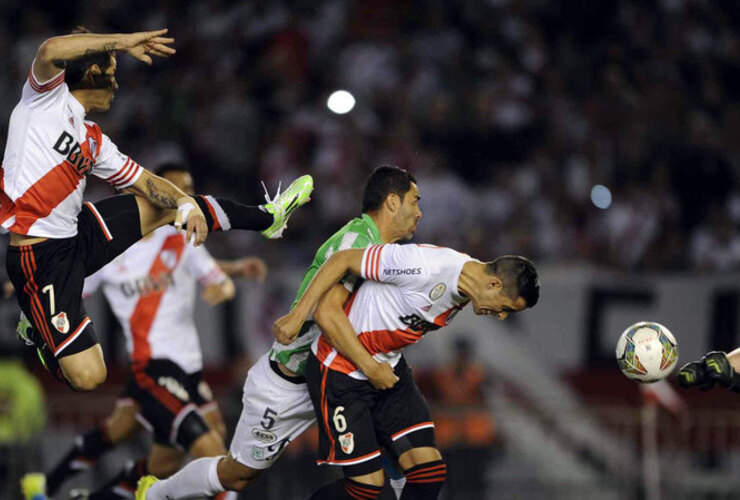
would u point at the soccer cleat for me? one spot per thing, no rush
(33, 486)
(145, 483)
(282, 205)
(24, 331)
(79, 494)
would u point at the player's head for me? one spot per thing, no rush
(178, 174)
(394, 190)
(95, 74)
(511, 285)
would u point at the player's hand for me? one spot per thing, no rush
(144, 44)
(692, 375)
(382, 376)
(218, 293)
(717, 368)
(286, 329)
(254, 268)
(190, 216)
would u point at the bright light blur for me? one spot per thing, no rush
(341, 102)
(601, 196)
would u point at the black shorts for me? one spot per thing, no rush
(355, 420)
(48, 277)
(166, 395)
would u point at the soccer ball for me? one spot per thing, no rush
(647, 352)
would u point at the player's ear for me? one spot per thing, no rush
(393, 202)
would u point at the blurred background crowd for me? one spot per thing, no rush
(600, 134)
(509, 113)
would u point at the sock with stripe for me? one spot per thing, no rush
(84, 454)
(198, 478)
(424, 481)
(223, 215)
(124, 484)
(347, 489)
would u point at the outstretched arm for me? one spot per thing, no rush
(338, 331)
(286, 328)
(53, 52)
(161, 193)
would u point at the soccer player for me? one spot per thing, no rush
(408, 291)
(276, 404)
(715, 368)
(151, 289)
(55, 240)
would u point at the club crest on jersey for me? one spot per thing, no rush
(437, 291)
(61, 322)
(347, 441)
(169, 258)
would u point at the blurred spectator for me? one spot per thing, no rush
(463, 425)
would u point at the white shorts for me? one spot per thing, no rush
(274, 413)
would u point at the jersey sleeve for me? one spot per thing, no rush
(202, 266)
(93, 283)
(397, 264)
(117, 169)
(46, 94)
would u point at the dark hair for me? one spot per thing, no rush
(385, 180)
(74, 69)
(171, 166)
(519, 277)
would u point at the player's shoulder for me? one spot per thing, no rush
(359, 232)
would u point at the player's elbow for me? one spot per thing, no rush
(88, 379)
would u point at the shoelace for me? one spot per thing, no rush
(267, 193)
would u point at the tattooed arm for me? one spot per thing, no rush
(161, 193)
(53, 52)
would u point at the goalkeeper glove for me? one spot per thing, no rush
(714, 368)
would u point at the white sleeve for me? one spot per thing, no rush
(46, 94)
(117, 169)
(199, 264)
(93, 282)
(397, 264)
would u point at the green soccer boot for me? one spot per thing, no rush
(282, 205)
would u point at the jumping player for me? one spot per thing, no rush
(276, 404)
(151, 289)
(55, 240)
(409, 291)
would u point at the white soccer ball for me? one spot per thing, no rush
(647, 352)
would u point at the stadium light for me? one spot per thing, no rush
(601, 196)
(340, 102)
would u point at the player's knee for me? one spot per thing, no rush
(235, 476)
(87, 378)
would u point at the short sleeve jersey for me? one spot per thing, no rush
(408, 291)
(50, 152)
(357, 233)
(151, 288)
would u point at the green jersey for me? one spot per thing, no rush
(357, 233)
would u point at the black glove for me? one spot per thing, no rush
(714, 368)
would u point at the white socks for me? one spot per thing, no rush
(197, 479)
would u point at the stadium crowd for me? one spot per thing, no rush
(507, 112)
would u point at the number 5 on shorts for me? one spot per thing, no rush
(50, 290)
(340, 423)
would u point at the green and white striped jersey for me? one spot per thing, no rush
(360, 232)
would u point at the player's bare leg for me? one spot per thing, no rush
(164, 460)
(85, 370)
(215, 421)
(425, 472)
